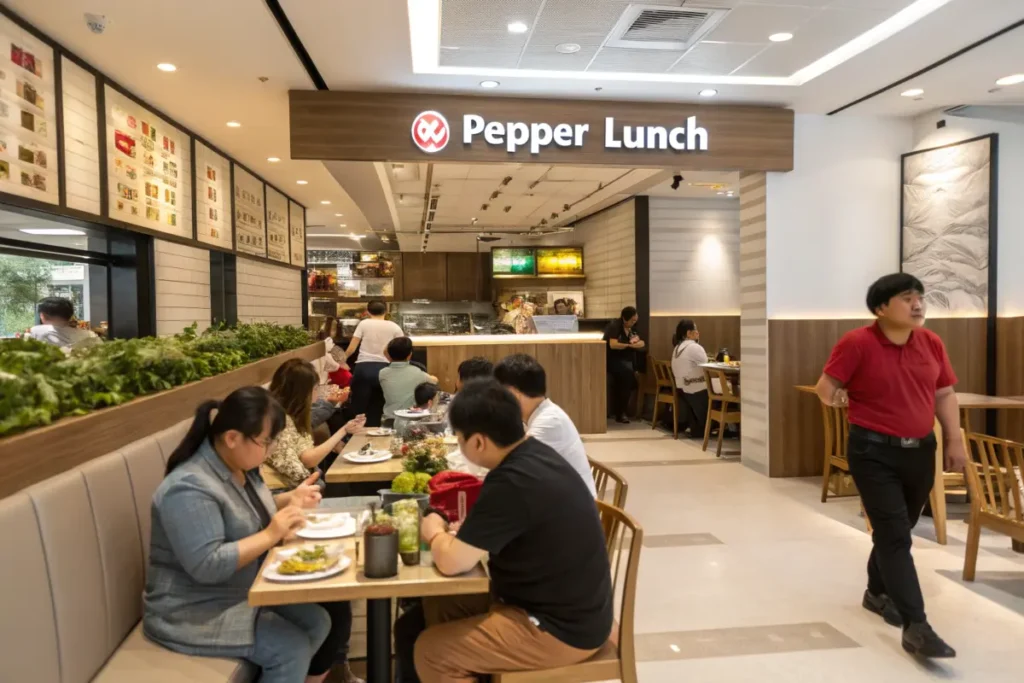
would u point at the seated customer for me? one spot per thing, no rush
(691, 385)
(213, 523)
(293, 457)
(550, 577)
(473, 368)
(424, 396)
(400, 379)
(525, 378)
(55, 315)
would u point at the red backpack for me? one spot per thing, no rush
(454, 493)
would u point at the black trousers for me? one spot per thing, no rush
(894, 485)
(694, 408)
(408, 628)
(367, 397)
(335, 647)
(623, 383)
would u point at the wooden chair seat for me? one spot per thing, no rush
(723, 406)
(665, 392)
(604, 665)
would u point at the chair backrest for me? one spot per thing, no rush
(72, 583)
(663, 376)
(625, 538)
(837, 429)
(604, 477)
(722, 389)
(995, 476)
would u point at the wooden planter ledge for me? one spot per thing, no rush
(44, 452)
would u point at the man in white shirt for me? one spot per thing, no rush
(371, 337)
(691, 385)
(525, 378)
(55, 314)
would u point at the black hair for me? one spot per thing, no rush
(376, 307)
(424, 393)
(475, 368)
(485, 407)
(627, 313)
(244, 410)
(56, 307)
(886, 287)
(523, 373)
(400, 348)
(685, 326)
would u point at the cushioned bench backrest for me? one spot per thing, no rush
(71, 586)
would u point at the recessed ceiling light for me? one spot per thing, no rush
(780, 37)
(1011, 80)
(567, 48)
(708, 92)
(166, 66)
(450, 47)
(234, 124)
(339, 215)
(913, 92)
(518, 27)
(342, 225)
(51, 231)
(273, 160)
(721, 193)
(325, 201)
(489, 84)
(302, 182)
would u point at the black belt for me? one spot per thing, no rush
(897, 441)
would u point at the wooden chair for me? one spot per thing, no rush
(837, 432)
(665, 392)
(603, 476)
(616, 660)
(719, 403)
(995, 479)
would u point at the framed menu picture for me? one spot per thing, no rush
(277, 226)
(250, 214)
(213, 199)
(148, 168)
(297, 225)
(28, 120)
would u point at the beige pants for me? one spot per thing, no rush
(471, 635)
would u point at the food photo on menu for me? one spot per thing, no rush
(26, 60)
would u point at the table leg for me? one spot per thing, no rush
(378, 641)
(938, 496)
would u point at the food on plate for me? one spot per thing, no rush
(317, 519)
(366, 450)
(308, 561)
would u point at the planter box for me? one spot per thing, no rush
(44, 452)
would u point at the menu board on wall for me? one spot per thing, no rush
(297, 224)
(277, 226)
(213, 201)
(148, 168)
(28, 122)
(250, 214)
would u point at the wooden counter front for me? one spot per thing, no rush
(575, 366)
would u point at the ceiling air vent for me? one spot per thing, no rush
(656, 27)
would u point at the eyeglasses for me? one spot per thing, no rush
(265, 445)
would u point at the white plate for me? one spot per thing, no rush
(271, 574)
(337, 525)
(368, 459)
(379, 431)
(412, 414)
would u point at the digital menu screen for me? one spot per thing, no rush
(250, 214)
(564, 261)
(148, 168)
(509, 261)
(28, 121)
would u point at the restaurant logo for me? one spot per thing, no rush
(430, 132)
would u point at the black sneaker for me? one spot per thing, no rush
(883, 606)
(919, 639)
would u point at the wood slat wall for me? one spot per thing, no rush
(575, 373)
(716, 332)
(1010, 377)
(753, 325)
(799, 349)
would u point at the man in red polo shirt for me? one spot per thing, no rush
(896, 378)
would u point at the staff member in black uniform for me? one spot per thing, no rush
(623, 343)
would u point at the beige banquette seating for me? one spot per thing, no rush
(73, 571)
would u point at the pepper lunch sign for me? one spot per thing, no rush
(431, 133)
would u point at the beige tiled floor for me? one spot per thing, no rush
(793, 569)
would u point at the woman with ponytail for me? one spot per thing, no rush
(213, 521)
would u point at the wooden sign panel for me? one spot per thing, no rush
(359, 126)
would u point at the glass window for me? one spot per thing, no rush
(25, 280)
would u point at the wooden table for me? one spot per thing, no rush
(342, 471)
(724, 367)
(418, 581)
(969, 401)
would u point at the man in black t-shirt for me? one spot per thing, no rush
(623, 343)
(550, 578)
